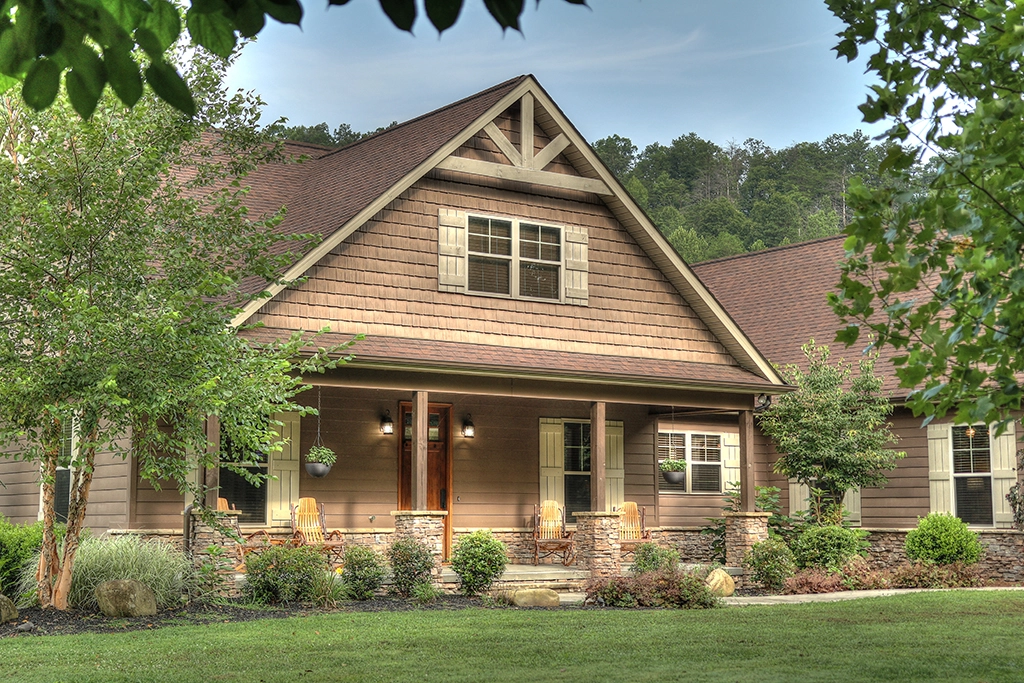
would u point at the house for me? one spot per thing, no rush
(530, 335)
(778, 297)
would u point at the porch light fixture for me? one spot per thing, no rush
(387, 425)
(468, 430)
(762, 402)
(970, 432)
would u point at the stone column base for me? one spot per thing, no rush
(597, 543)
(743, 530)
(224, 557)
(426, 526)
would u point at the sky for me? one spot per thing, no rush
(649, 70)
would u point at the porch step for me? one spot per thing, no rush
(529, 573)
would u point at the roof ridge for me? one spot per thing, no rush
(446, 107)
(760, 252)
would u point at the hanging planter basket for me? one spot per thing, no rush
(319, 458)
(317, 469)
(674, 477)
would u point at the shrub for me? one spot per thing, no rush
(363, 573)
(664, 588)
(858, 575)
(929, 575)
(19, 543)
(771, 563)
(478, 559)
(827, 547)
(283, 574)
(814, 580)
(159, 565)
(943, 539)
(328, 589)
(650, 557)
(424, 592)
(411, 563)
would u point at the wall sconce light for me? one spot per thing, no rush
(387, 425)
(970, 432)
(468, 430)
(762, 402)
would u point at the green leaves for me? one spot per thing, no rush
(443, 14)
(215, 32)
(41, 84)
(402, 13)
(171, 87)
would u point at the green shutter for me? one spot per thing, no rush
(552, 460)
(1004, 474)
(940, 486)
(852, 504)
(283, 487)
(615, 466)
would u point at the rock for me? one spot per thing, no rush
(720, 583)
(128, 598)
(27, 627)
(7, 610)
(532, 597)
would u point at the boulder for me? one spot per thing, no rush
(126, 598)
(7, 610)
(720, 583)
(528, 597)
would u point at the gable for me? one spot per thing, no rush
(523, 145)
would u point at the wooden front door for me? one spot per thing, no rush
(439, 470)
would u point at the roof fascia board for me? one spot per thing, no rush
(354, 223)
(664, 256)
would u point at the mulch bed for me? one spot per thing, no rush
(55, 622)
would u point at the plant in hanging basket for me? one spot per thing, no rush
(321, 454)
(673, 470)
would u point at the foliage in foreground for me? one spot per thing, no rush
(650, 557)
(943, 539)
(827, 547)
(830, 437)
(284, 574)
(159, 565)
(478, 559)
(19, 543)
(858, 575)
(770, 563)
(411, 565)
(662, 588)
(363, 572)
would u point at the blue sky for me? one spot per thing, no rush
(649, 70)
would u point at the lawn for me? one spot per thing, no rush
(958, 636)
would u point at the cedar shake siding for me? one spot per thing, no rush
(383, 281)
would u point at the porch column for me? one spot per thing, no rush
(418, 480)
(598, 549)
(598, 459)
(748, 494)
(211, 477)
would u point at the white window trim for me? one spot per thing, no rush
(514, 259)
(953, 476)
(690, 462)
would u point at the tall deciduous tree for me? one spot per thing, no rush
(832, 433)
(938, 274)
(123, 252)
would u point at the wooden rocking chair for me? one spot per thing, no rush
(633, 528)
(549, 534)
(310, 528)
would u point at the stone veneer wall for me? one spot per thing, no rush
(693, 546)
(743, 530)
(425, 526)
(204, 537)
(597, 543)
(1002, 559)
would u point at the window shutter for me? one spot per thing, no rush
(283, 487)
(451, 250)
(939, 457)
(852, 504)
(551, 460)
(614, 465)
(576, 265)
(798, 495)
(730, 461)
(1004, 474)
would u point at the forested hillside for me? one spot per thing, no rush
(712, 201)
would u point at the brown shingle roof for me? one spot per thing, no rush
(778, 297)
(518, 362)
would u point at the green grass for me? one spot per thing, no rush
(958, 636)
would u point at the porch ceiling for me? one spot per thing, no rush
(461, 358)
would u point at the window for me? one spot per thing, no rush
(62, 481)
(514, 258)
(241, 494)
(576, 449)
(972, 474)
(703, 455)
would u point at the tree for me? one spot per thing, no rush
(832, 432)
(119, 279)
(937, 273)
(618, 154)
(120, 41)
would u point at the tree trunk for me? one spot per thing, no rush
(80, 483)
(48, 561)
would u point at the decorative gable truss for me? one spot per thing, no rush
(569, 264)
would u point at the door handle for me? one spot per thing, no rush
(444, 499)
